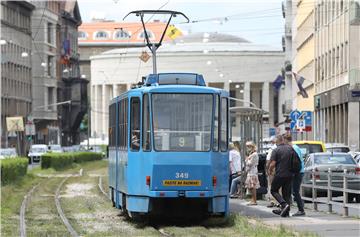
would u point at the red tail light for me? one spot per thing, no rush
(148, 180)
(316, 174)
(357, 170)
(214, 181)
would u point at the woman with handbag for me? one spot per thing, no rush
(252, 180)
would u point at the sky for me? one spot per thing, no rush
(259, 21)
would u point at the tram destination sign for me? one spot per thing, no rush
(181, 182)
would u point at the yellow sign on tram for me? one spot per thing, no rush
(181, 182)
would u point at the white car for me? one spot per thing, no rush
(7, 153)
(55, 148)
(36, 151)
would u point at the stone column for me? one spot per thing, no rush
(227, 86)
(94, 108)
(247, 93)
(103, 109)
(115, 89)
(265, 97)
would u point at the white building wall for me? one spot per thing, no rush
(243, 67)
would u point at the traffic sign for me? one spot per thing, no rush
(294, 115)
(306, 120)
(29, 129)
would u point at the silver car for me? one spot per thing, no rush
(337, 162)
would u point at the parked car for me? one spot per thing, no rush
(336, 147)
(36, 151)
(7, 153)
(357, 157)
(309, 147)
(55, 148)
(337, 162)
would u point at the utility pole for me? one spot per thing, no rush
(89, 125)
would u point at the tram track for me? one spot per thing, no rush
(101, 187)
(23, 211)
(61, 212)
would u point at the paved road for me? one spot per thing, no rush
(319, 222)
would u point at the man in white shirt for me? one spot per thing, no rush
(235, 167)
(270, 176)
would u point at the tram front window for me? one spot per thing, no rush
(182, 122)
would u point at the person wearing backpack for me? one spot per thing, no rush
(297, 179)
(280, 159)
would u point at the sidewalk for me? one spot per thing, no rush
(320, 223)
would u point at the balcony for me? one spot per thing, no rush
(354, 12)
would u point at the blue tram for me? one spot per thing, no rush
(168, 146)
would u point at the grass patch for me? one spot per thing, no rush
(13, 194)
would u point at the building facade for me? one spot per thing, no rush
(337, 71)
(102, 35)
(16, 68)
(72, 87)
(45, 71)
(303, 59)
(225, 62)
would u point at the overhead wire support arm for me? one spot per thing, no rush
(154, 46)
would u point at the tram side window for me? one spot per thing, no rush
(111, 126)
(135, 124)
(216, 125)
(122, 132)
(146, 124)
(224, 125)
(121, 125)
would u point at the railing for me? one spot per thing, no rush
(330, 188)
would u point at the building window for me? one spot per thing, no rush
(149, 33)
(101, 35)
(342, 58)
(50, 39)
(121, 34)
(82, 35)
(346, 56)
(50, 65)
(50, 98)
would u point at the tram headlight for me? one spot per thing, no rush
(148, 180)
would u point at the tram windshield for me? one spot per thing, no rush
(182, 122)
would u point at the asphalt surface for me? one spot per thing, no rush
(321, 223)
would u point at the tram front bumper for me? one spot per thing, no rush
(182, 193)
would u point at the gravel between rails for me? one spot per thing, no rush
(23, 211)
(60, 211)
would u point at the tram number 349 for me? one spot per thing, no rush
(181, 175)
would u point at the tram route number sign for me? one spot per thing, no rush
(181, 182)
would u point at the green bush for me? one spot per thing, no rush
(12, 169)
(60, 161)
(86, 156)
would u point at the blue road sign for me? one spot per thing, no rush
(294, 115)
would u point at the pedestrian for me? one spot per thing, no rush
(235, 167)
(270, 175)
(280, 159)
(297, 178)
(252, 180)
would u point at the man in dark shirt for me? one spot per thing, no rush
(280, 158)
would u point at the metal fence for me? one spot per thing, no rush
(330, 188)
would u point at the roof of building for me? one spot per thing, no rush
(218, 47)
(129, 32)
(210, 37)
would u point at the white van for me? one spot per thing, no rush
(36, 151)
